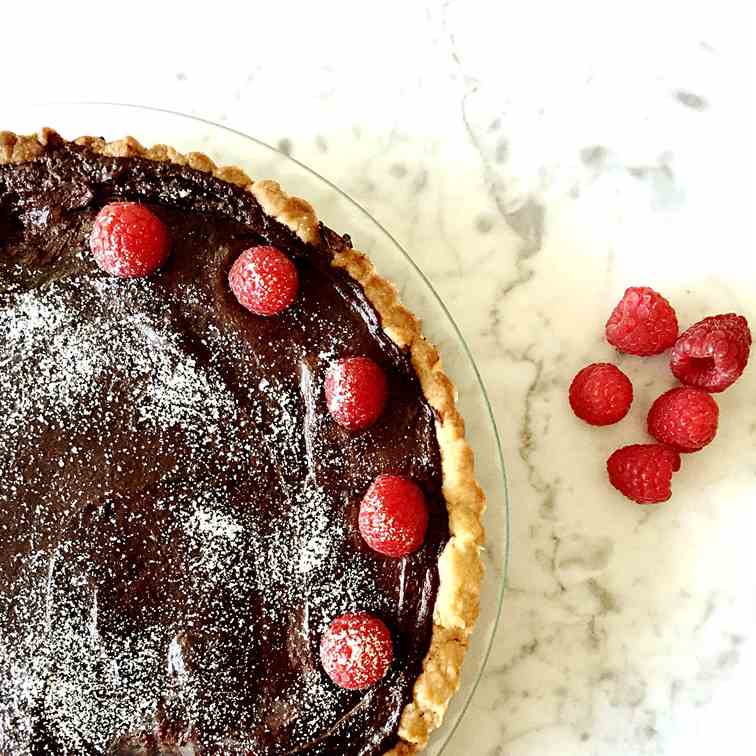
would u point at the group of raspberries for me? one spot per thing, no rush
(707, 358)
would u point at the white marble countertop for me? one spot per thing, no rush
(535, 163)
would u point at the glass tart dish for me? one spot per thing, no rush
(240, 512)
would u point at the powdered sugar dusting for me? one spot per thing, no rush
(82, 347)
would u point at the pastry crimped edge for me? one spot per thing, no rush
(460, 565)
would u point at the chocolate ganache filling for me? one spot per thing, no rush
(178, 510)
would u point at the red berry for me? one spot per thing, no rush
(601, 394)
(642, 323)
(264, 280)
(355, 390)
(684, 418)
(643, 472)
(713, 353)
(393, 516)
(356, 650)
(129, 240)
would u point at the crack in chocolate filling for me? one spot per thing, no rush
(177, 508)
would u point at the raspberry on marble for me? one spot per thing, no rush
(601, 394)
(713, 353)
(642, 323)
(643, 472)
(684, 418)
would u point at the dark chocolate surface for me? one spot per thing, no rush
(177, 509)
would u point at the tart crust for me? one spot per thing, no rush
(460, 566)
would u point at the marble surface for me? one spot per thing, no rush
(534, 162)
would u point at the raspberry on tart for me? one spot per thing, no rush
(164, 443)
(393, 516)
(129, 240)
(356, 650)
(355, 391)
(264, 280)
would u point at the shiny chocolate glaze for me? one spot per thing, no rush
(177, 509)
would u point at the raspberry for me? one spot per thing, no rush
(129, 240)
(264, 280)
(356, 650)
(601, 394)
(355, 389)
(642, 323)
(684, 418)
(393, 516)
(643, 472)
(713, 353)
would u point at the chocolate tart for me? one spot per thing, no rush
(178, 512)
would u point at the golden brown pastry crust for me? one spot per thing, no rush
(460, 565)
